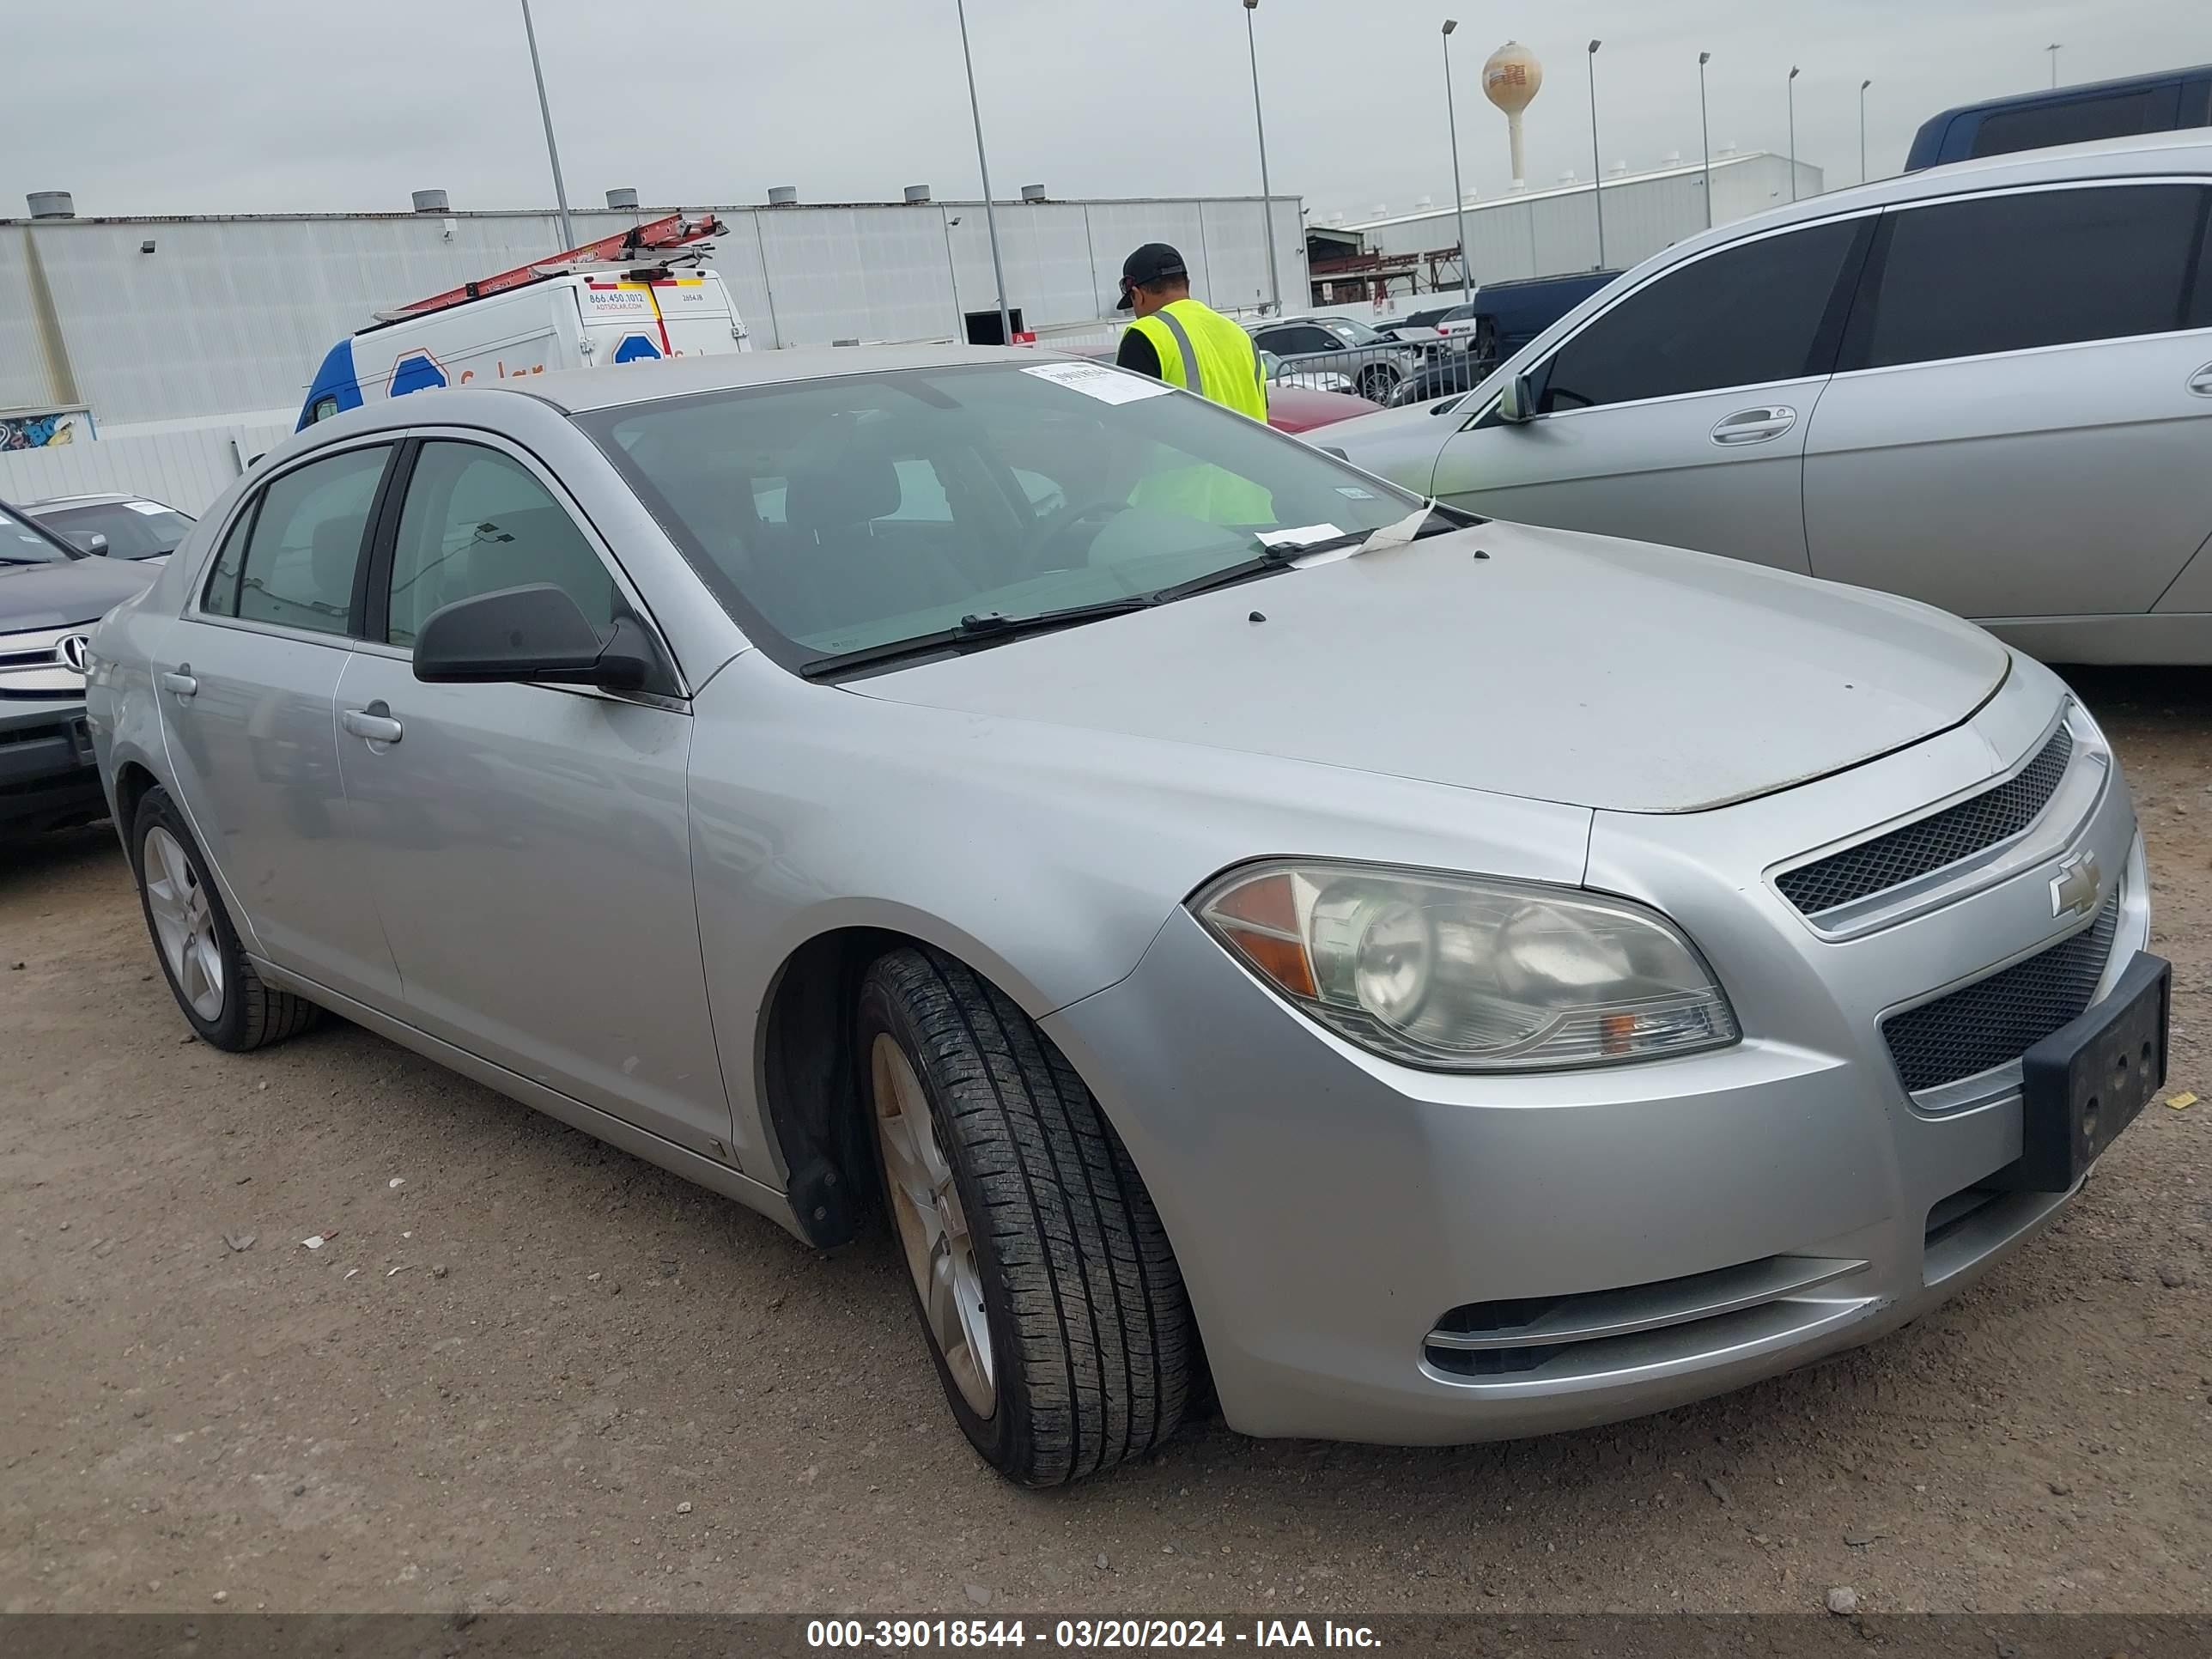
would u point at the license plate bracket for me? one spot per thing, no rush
(2086, 1082)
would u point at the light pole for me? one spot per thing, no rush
(1793, 132)
(560, 190)
(1864, 85)
(1597, 168)
(983, 165)
(1267, 194)
(1459, 196)
(2053, 50)
(1706, 135)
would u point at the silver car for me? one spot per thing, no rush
(1462, 980)
(1986, 386)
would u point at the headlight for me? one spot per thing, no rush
(1462, 975)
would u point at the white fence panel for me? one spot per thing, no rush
(188, 469)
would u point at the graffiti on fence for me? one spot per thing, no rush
(41, 431)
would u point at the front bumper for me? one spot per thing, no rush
(1380, 1253)
(47, 775)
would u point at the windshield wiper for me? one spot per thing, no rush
(987, 628)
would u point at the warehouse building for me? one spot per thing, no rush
(146, 325)
(1540, 233)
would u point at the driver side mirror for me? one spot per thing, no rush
(536, 633)
(1516, 401)
(90, 541)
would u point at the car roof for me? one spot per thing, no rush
(93, 498)
(2071, 93)
(573, 390)
(2148, 155)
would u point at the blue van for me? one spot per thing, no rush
(2066, 115)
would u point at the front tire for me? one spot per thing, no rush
(1050, 1300)
(214, 981)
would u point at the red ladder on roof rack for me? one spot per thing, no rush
(674, 231)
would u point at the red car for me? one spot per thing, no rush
(1296, 408)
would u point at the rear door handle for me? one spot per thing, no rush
(374, 723)
(180, 681)
(1754, 425)
(2201, 381)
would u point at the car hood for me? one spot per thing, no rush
(1561, 666)
(56, 595)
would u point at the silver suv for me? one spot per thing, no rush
(1987, 386)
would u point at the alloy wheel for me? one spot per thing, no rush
(932, 1228)
(184, 921)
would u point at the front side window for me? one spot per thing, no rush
(23, 542)
(1745, 316)
(298, 556)
(837, 515)
(476, 521)
(2043, 268)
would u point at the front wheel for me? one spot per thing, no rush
(1051, 1302)
(1377, 382)
(214, 982)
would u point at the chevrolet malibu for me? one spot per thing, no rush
(1441, 980)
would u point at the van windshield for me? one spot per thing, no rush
(833, 516)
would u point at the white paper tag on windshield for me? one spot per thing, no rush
(151, 509)
(1304, 536)
(1108, 385)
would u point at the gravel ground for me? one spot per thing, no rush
(541, 1375)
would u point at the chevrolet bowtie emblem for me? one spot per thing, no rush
(2075, 887)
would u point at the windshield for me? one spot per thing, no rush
(25, 543)
(1358, 333)
(832, 516)
(135, 529)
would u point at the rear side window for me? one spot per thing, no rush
(2076, 121)
(305, 545)
(2009, 273)
(1742, 317)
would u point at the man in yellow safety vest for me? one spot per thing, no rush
(1176, 339)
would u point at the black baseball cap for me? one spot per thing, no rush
(1155, 262)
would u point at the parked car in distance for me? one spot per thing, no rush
(1300, 404)
(1988, 388)
(1373, 363)
(127, 527)
(52, 594)
(2065, 115)
(961, 776)
(1415, 328)
(1448, 373)
(1503, 317)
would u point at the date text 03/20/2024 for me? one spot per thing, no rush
(897, 1634)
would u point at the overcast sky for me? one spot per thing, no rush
(238, 105)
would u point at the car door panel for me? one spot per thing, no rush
(2068, 482)
(1678, 414)
(528, 845)
(246, 683)
(1655, 472)
(2012, 433)
(253, 751)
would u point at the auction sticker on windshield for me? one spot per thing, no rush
(1108, 385)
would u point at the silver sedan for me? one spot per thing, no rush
(1463, 980)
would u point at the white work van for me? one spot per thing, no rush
(585, 316)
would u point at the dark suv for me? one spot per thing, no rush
(51, 595)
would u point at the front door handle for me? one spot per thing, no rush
(374, 723)
(180, 681)
(2201, 381)
(1754, 425)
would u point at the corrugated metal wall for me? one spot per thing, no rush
(1546, 232)
(187, 470)
(229, 316)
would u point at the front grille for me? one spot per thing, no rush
(1955, 833)
(1994, 1021)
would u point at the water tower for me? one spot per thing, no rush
(1511, 78)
